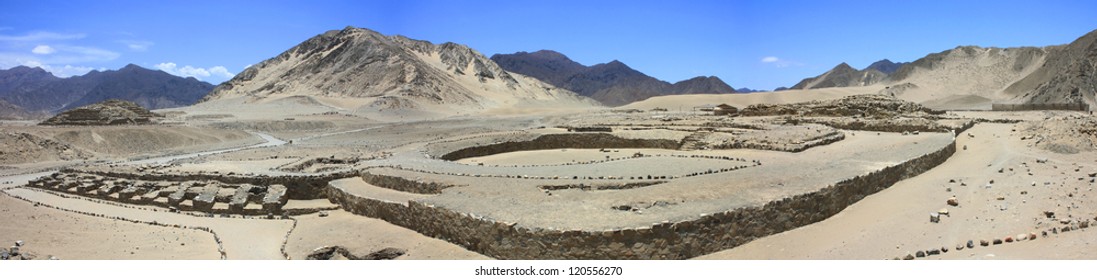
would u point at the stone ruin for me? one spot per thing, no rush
(109, 112)
(192, 195)
(868, 105)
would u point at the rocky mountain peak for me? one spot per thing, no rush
(362, 63)
(612, 83)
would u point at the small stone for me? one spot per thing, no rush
(971, 244)
(908, 257)
(920, 254)
(959, 247)
(1031, 236)
(323, 213)
(19, 243)
(1009, 239)
(952, 201)
(943, 211)
(984, 243)
(997, 241)
(933, 252)
(944, 249)
(934, 217)
(1022, 237)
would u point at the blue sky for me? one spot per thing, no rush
(757, 44)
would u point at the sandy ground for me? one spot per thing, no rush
(362, 235)
(895, 222)
(71, 236)
(239, 236)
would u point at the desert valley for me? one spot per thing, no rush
(358, 145)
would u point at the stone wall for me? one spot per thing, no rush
(404, 185)
(1037, 107)
(563, 141)
(671, 240)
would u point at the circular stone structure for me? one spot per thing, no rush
(555, 194)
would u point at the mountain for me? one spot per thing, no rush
(612, 83)
(545, 65)
(966, 77)
(390, 72)
(842, 76)
(972, 77)
(35, 90)
(748, 90)
(885, 66)
(22, 79)
(710, 84)
(9, 111)
(1066, 76)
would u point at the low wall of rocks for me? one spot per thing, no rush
(1038, 107)
(885, 125)
(563, 141)
(298, 187)
(784, 147)
(401, 184)
(670, 240)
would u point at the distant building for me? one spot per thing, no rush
(705, 108)
(725, 110)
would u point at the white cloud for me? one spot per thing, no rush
(215, 72)
(53, 52)
(60, 71)
(43, 49)
(779, 63)
(40, 36)
(137, 45)
(77, 54)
